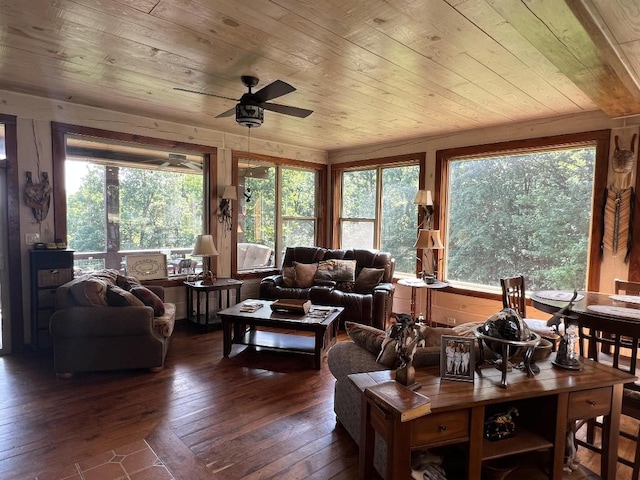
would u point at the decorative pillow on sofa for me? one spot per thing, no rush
(365, 336)
(119, 297)
(127, 283)
(336, 270)
(89, 291)
(367, 279)
(150, 299)
(305, 272)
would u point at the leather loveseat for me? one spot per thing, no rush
(106, 321)
(367, 296)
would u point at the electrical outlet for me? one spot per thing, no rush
(31, 238)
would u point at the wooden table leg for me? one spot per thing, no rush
(609, 457)
(226, 337)
(476, 434)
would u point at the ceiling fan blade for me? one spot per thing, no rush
(165, 164)
(228, 113)
(273, 90)
(192, 166)
(204, 93)
(287, 110)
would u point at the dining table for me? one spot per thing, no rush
(594, 310)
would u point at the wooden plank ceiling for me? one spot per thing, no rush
(372, 71)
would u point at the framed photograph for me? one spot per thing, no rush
(147, 266)
(457, 358)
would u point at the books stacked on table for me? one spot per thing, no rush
(251, 306)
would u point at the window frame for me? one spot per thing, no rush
(59, 132)
(418, 158)
(321, 209)
(599, 138)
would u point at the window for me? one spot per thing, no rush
(278, 208)
(377, 210)
(527, 210)
(125, 198)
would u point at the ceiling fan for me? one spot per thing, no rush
(250, 108)
(177, 160)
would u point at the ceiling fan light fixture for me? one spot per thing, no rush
(249, 115)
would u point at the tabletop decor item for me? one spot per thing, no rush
(507, 336)
(407, 335)
(457, 358)
(566, 356)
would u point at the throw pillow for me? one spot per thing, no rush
(305, 272)
(289, 276)
(150, 299)
(336, 270)
(432, 335)
(365, 336)
(127, 283)
(368, 279)
(119, 297)
(90, 292)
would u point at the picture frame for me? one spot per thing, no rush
(457, 358)
(147, 266)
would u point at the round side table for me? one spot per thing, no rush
(415, 284)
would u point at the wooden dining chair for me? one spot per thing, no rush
(513, 296)
(622, 339)
(628, 288)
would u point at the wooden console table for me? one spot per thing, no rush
(547, 403)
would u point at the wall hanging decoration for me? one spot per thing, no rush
(37, 196)
(619, 201)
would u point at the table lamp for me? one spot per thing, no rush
(429, 240)
(425, 200)
(205, 248)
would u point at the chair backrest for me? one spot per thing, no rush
(629, 288)
(513, 294)
(612, 341)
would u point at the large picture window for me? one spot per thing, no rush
(123, 197)
(523, 211)
(376, 208)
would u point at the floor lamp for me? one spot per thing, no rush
(205, 248)
(429, 240)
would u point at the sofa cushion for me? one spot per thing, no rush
(367, 279)
(150, 299)
(89, 291)
(336, 270)
(119, 297)
(365, 336)
(305, 272)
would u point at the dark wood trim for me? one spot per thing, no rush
(321, 197)
(336, 196)
(602, 141)
(59, 131)
(378, 162)
(634, 258)
(14, 255)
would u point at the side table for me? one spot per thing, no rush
(415, 284)
(199, 290)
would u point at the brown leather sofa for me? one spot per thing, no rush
(95, 328)
(371, 306)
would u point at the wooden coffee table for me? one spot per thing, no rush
(241, 328)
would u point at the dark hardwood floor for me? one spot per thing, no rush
(256, 415)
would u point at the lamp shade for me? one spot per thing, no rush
(230, 193)
(204, 247)
(423, 197)
(429, 240)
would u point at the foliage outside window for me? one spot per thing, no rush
(113, 210)
(377, 211)
(272, 220)
(521, 213)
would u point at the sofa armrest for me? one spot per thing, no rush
(101, 321)
(384, 288)
(345, 358)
